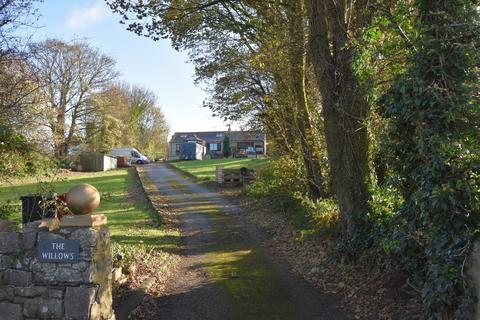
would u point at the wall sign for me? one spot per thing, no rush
(65, 251)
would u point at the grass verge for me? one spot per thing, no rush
(205, 169)
(140, 227)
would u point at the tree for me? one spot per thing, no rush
(227, 150)
(433, 112)
(19, 134)
(125, 115)
(334, 27)
(248, 80)
(104, 125)
(69, 74)
(17, 77)
(14, 14)
(154, 133)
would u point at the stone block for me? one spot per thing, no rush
(35, 291)
(6, 293)
(78, 302)
(47, 235)
(10, 311)
(29, 239)
(24, 262)
(104, 299)
(6, 262)
(31, 226)
(43, 272)
(30, 291)
(81, 266)
(86, 236)
(17, 277)
(7, 226)
(85, 220)
(66, 274)
(9, 242)
(42, 308)
(85, 254)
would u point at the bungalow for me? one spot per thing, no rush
(242, 144)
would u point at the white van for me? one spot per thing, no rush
(132, 154)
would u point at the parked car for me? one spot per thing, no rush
(132, 154)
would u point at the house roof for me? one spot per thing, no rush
(217, 136)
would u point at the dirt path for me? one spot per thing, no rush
(225, 273)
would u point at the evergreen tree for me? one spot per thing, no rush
(227, 150)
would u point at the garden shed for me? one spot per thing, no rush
(93, 161)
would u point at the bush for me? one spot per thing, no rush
(282, 185)
(279, 179)
(19, 158)
(8, 210)
(323, 214)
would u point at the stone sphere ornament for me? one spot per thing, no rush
(83, 199)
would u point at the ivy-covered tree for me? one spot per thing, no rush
(434, 114)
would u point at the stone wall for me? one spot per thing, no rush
(30, 289)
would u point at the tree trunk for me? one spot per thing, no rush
(297, 61)
(344, 110)
(58, 130)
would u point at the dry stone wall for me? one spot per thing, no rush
(30, 289)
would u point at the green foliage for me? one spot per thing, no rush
(323, 215)
(283, 186)
(279, 185)
(433, 149)
(280, 180)
(19, 158)
(8, 209)
(124, 115)
(123, 255)
(227, 150)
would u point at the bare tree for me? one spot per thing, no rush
(69, 74)
(17, 81)
(14, 14)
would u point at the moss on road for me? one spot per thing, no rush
(234, 260)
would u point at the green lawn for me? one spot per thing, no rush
(205, 169)
(129, 220)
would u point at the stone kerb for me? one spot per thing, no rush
(30, 289)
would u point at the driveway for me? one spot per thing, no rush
(225, 273)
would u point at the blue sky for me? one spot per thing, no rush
(141, 61)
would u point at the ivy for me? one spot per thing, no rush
(432, 143)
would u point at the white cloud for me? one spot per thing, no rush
(81, 18)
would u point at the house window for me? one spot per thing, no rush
(183, 136)
(177, 149)
(218, 135)
(213, 146)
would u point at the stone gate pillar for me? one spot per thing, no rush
(62, 273)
